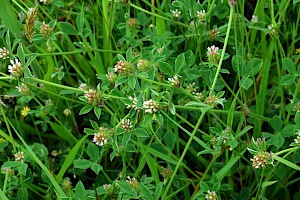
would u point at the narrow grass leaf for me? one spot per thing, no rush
(225, 170)
(63, 133)
(9, 17)
(287, 163)
(3, 196)
(69, 159)
(39, 162)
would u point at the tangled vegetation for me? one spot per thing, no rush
(120, 99)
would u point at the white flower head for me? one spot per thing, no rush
(151, 106)
(254, 19)
(19, 156)
(201, 15)
(4, 53)
(176, 13)
(16, 68)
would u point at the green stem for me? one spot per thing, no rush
(224, 49)
(183, 154)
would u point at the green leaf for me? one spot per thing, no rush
(287, 163)
(121, 80)
(80, 19)
(140, 132)
(67, 28)
(131, 82)
(158, 190)
(69, 159)
(221, 11)
(21, 53)
(85, 109)
(268, 183)
(179, 63)
(237, 64)
(253, 67)
(82, 164)
(23, 168)
(63, 133)
(129, 54)
(159, 118)
(93, 152)
(3, 196)
(45, 170)
(228, 166)
(278, 140)
(97, 111)
(146, 192)
(296, 1)
(96, 168)
(172, 108)
(125, 187)
(288, 130)
(147, 119)
(287, 79)
(9, 17)
(10, 164)
(170, 139)
(204, 186)
(166, 68)
(289, 65)
(80, 191)
(246, 82)
(276, 123)
(94, 125)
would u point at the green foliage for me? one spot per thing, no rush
(149, 99)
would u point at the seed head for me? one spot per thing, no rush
(111, 77)
(93, 97)
(144, 65)
(232, 3)
(123, 68)
(151, 106)
(45, 30)
(23, 89)
(19, 156)
(166, 173)
(213, 34)
(133, 182)
(133, 23)
(29, 23)
(4, 53)
(66, 184)
(211, 99)
(9, 171)
(67, 112)
(261, 159)
(16, 68)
